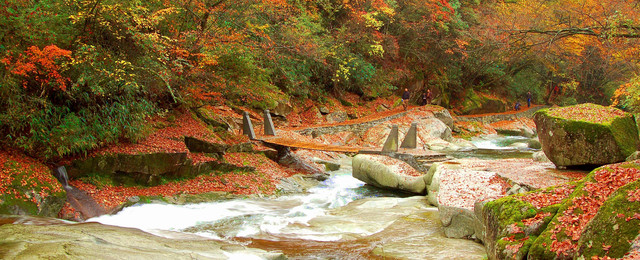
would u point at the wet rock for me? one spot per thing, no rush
(97, 241)
(385, 172)
(330, 166)
(609, 138)
(298, 183)
(534, 143)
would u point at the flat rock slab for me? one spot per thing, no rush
(525, 172)
(97, 241)
(461, 188)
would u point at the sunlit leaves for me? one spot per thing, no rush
(588, 112)
(40, 68)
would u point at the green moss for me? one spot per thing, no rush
(541, 247)
(595, 122)
(30, 181)
(610, 226)
(624, 130)
(510, 210)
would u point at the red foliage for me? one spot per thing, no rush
(545, 198)
(573, 220)
(634, 195)
(588, 112)
(514, 248)
(33, 176)
(537, 218)
(40, 65)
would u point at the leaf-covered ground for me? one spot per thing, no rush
(25, 179)
(587, 112)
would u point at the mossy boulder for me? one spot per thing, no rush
(615, 226)
(600, 218)
(512, 224)
(27, 187)
(594, 217)
(586, 134)
(475, 103)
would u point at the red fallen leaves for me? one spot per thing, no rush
(575, 218)
(635, 216)
(168, 139)
(550, 197)
(634, 195)
(33, 177)
(514, 229)
(516, 247)
(537, 218)
(587, 112)
(263, 181)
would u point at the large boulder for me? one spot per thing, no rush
(586, 134)
(389, 173)
(593, 218)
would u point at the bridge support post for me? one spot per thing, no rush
(269, 129)
(410, 140)
(391, 145)
(247, 127)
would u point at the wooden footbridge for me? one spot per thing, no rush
(391, 145)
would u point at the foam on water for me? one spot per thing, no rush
(497, 142)
(247, 217)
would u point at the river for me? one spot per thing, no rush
(342, 218)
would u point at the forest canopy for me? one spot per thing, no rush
(80, 74)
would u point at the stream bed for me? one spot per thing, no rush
(340, 219)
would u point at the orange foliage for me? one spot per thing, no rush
(40, 65)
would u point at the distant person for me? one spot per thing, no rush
(429, 96)
(517, 106)
(405, 98)
(529, 99)
(424, 99)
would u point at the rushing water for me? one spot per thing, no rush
(248, 217)
(497, 147)
(340, 219)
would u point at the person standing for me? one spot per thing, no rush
(529, 99)
(424, 99)
(405, 98)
